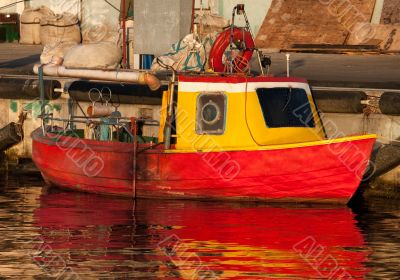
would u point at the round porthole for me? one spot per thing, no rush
(210, 113)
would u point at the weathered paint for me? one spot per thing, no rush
(247, 162)
(312, 173)
(35, 108)
(13, 106)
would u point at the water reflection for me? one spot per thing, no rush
(61, 235)
(100, 237)
(379, 222)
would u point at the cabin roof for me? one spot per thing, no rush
(239, 79)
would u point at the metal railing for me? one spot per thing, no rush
(111, 124)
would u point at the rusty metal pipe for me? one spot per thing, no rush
(135, 77)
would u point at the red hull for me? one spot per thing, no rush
(319, 173)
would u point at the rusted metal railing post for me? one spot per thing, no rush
(134, 133)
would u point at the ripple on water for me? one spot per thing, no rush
(64, 234)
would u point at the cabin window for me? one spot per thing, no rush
(285, 107)
(211, 112)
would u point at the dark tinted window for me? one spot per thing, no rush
(211, 110)
(285, 107)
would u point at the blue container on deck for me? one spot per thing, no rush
(146, 60)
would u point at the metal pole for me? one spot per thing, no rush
(134, 131)
(168, 122)
(41, 88)
(288, 64)
(42, 105)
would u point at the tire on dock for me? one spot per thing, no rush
(385, 157)
(339, 102)
(10, 135)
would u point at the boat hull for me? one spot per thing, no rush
(323, 172)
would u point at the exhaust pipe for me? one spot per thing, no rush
(122, 76)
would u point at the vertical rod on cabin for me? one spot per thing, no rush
(168, 122)
(134, 131)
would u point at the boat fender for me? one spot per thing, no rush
(389, 103)
(241, 61)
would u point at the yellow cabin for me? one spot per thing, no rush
(242, 113)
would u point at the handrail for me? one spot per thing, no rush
(113, 122)
(98, 120)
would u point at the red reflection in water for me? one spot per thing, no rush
(190, 240)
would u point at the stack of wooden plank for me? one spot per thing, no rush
(330, 26)
(311, 22)
(385, 35)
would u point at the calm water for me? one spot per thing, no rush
(62, 235)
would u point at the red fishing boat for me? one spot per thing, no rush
(240, 138)
(224, 136)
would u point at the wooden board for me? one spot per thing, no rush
(337, 49)
(311, 22)
(387, 36)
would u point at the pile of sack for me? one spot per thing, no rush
(191, 53)
(60, 34)
(210, 23)
(30, 24)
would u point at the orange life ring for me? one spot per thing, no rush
(241, 61)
